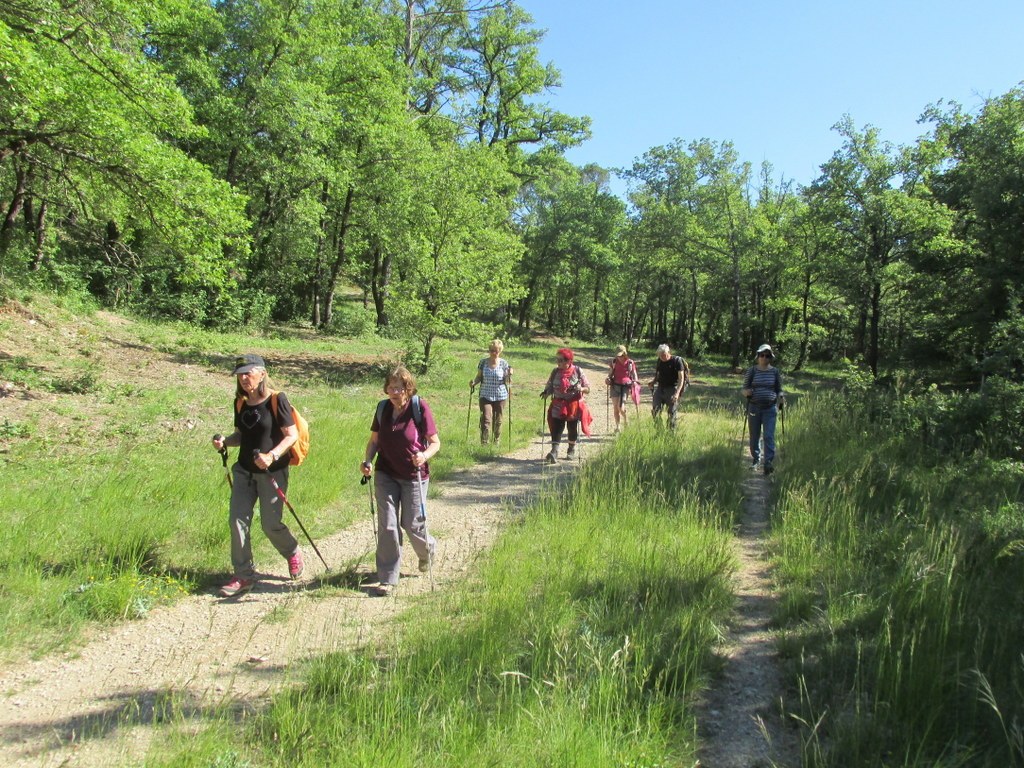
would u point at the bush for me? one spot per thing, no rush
(351, 321)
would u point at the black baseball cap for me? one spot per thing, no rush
(245, 363)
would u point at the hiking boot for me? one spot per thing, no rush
(570, 451)
(753, 464)
(424, 565)
(768, 468)
(295, 564)
(551, 458)
(381, 590)
(236, 587)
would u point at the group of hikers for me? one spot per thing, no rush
(404, 436)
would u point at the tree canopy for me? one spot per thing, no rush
(237, 162)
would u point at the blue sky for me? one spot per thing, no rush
(772, 77)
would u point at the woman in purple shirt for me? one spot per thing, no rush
(403, 437)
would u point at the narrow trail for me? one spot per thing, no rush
(100, 704)
(742, 724)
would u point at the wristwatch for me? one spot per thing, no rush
(276, 457)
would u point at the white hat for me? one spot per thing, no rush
(766, 348)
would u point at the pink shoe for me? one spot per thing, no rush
(236, 587)
(295, 564)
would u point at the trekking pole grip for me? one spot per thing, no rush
(223, 450)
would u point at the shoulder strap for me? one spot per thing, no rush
(417, 412)
(240, 401)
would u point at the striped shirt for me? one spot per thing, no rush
(766, 385)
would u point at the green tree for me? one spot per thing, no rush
(88, 156)
(984, 185)
(570, 224)
(875, 196)
(694, 213)
(460, 253)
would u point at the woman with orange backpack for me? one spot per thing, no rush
(265, 431)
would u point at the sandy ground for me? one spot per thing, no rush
(98, 705)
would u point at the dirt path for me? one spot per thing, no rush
(98, 705)
(741, 720)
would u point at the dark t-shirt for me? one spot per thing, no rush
(255, 425)
(669, 371)
(398, 439)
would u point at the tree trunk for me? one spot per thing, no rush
(380, 280)
(340, 258)
(735, 324)
(692, 320)
(805, 322)
(876, 314)
(40, 257)
(17, 203)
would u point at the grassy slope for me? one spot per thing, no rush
(114, 499)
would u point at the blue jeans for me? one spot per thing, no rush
(762, 419)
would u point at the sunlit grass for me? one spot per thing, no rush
(581, 640)
(897, 600)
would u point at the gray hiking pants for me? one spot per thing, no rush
(398, 509)
(246, 490)
(663, 399)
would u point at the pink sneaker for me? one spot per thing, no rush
(236, 587)
(295, 564)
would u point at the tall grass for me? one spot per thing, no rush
(902, 592)
(581, 641)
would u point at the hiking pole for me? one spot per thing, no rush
(508, 430)
(607, 404)
(469, 411)
(223, 451)
(426, 532)
(543, 420)
(280, 493)
(373, 512)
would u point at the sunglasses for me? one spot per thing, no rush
(764, 354)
